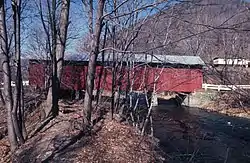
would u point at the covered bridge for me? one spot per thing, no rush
(182, 74)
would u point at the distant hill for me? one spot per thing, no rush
(208, 28)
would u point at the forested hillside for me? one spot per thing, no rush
(208, 28)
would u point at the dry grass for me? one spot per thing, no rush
(227, 110)
(231, 104)
(228, 103)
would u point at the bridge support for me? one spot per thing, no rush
(154, 100)
(181, 97)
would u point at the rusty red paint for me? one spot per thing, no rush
(37, 75)
(170, 79)
(73, 77)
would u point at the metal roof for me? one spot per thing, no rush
(164, 59)
(142, 58)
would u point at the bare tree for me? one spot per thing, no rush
(52, 97)
(56, 37)
(116, 18)
(5, 63)
(13, 101)
(17, 108)
(95, 44)
(62, 36)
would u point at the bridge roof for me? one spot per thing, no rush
(143, 58)
(151, 58)
(167, 59)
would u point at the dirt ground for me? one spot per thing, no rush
(4, 144)
(61, 140)
(3, 127)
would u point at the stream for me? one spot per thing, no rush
(191, 134)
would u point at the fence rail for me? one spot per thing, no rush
(204, 86)
(224, 87)
(13, 84)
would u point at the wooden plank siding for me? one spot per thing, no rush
(171, 79)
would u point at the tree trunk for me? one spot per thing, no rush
(92, 66)
(7, 92)
(22, 115)
(113, 74)
(52, 108)
(18, 93)
(98, 94)
(1, 97)
(62, 36)
(57, 53)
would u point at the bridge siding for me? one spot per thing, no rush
(171, 79)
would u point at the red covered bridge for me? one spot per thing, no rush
(181, 74)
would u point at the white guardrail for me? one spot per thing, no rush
(224, 87)
(204, 86)
(13, 84)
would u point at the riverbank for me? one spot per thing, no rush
(213, 101)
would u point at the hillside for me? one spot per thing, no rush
(208, 28)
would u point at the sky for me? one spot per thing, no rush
(31, 25)
(77, 27)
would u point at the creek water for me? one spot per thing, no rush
(191, 134)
